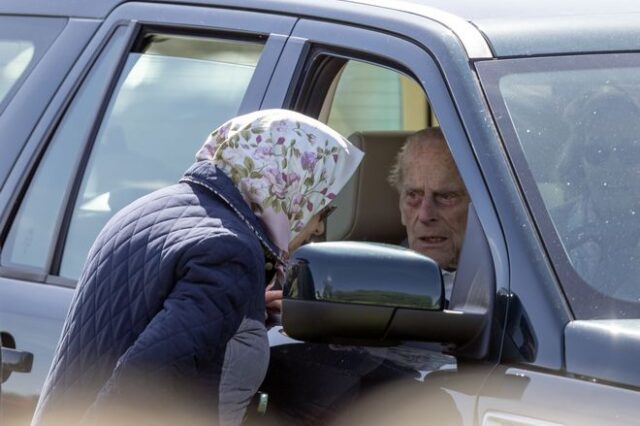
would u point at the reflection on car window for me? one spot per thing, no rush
(22, 41)
(171, 94)
(580, 132)
(15, 56)
(32, 232)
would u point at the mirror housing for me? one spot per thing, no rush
(333, 272)
(384, 294)
(369, 293)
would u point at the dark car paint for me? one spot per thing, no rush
(530, 307)
(513, 29)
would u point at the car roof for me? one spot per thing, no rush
(476, 11)
(540, 27)
(505, 28)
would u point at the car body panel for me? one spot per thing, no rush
(35, 330)
(513, 395)
(618, 343)
(549, 28)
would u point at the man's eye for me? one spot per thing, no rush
(447, 197)
(412, 196)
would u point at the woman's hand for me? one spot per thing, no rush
(273, 299)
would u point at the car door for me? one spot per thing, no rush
(36, 53)
(376, 85)
(128, 119)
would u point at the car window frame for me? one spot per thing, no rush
(135, 16)
(379, 45)
(413, 55)
(414, 59)
(403, 55)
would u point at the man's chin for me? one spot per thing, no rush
(433, 256)
(443, 261)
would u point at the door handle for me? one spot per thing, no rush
(16, 361)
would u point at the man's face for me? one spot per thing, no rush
(433, 203)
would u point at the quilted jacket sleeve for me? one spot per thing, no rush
(217, 282)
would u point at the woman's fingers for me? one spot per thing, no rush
(275, 306)
(273, 301)
(271, 296)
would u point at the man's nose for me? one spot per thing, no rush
(428, 211)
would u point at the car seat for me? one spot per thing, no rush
(368, 207)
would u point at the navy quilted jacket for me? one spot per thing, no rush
(165, 286)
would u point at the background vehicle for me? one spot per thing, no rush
(103, 101)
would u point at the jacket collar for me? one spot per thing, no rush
(208, 176)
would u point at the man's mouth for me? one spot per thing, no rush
(432, 240)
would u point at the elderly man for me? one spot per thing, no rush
(433, 200)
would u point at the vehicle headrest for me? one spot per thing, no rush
(368, 206)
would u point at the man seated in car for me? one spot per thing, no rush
(433, 200)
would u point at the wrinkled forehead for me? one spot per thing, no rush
(430, 166)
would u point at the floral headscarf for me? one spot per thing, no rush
(287, 166)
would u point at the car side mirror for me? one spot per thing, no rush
(375, 294)
(368, 293)
(325, 272)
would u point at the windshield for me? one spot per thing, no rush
(572, 127)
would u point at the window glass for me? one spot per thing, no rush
(172, 92)
(22, 40)
(15, 56)
(33, 229)
(578, 124)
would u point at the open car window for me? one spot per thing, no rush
(376, 108)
